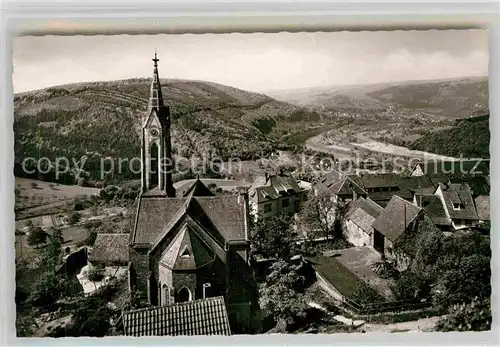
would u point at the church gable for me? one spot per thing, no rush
(187, 252)
(153, 120)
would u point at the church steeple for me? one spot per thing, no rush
(157, 160)
(155, 94)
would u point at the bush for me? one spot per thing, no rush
(37, 236)
(74, 217)
(96, 273)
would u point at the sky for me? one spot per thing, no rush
(256, 62)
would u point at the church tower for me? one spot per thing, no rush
(157, 160)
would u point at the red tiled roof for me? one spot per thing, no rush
(200, 317)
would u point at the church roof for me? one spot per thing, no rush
(155, 215)
(200, 317)
(198, 188)
(187, 252)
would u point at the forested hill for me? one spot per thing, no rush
(103, 119)
(468, 138)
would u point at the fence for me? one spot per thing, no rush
(383, 307)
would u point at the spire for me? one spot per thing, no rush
(155, 94)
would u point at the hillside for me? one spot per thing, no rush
(454, 98)
(103, 119)
(469, 138)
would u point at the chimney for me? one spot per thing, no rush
(420, 202)
(205, 288)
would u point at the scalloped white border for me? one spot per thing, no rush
(93, 17)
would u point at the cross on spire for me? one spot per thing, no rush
(156, 60)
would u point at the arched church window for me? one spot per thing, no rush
(166, 295)
(154, 162)
(184, 295)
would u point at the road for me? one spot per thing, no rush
(423, 324)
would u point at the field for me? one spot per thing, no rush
(38, 194)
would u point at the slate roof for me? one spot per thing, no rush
(483, 207)
(433, 207)
(200, 317)
(187, 252)
(224, 212)
(198, 188)
(417, 184)
(455, 167)
(345, 186)
(395, 218)
(459, 193)
(380, 180)
(272, 187)
(110, 248)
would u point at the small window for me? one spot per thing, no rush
(268, 208)
(457, 206)
(285, 203)
(185, 253)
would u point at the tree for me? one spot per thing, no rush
(37, 236)
(274, 237)
(282, 294)
(47, 289)
(475, 316)
(317, 215)
(74, 217)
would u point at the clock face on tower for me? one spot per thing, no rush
(154, 132)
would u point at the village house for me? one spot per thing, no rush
(359, 219)
(398, 218)
(458, 204)
(187, 248)
(343, 188)
(433, 207)
(276, 194)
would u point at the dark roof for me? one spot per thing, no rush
(417, 184)
(199, 317)
(331, 177)
(433, 207)
(354, 204)
(187, 252)
(369, 206)
(372, 208)
(110, 248)
(395, 218)
(338, 275)
(272, 187)
(345, 186)
(382, 180)
(457, 193)
(198, 188)
(457, 167)
(483, 207)
(224, 212)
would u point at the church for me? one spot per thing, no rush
(188, 247)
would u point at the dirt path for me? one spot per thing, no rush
(423, 324)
